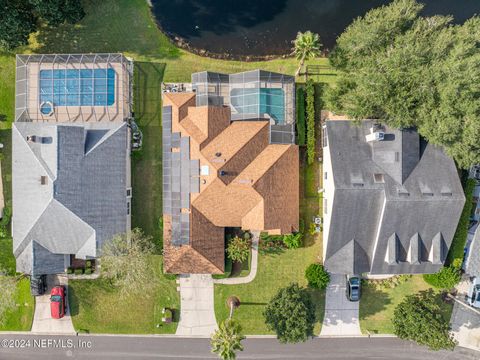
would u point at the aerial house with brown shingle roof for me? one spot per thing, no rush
(223, 172)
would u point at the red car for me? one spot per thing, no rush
(58, 303)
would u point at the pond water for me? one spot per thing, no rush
(266, 27)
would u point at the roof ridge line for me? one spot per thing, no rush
(104, 138)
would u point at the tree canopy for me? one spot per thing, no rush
(413, 71)
(418, 317)
(18, 19)
(125, 261)
(291, 314)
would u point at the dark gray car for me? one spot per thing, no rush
(353, 290)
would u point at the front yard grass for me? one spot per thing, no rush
(96, 307)
(21, 317)
(377, 306)
(276, 271)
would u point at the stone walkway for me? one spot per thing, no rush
(43, 323)
(197, 315)
(341, 315)
(253, 266)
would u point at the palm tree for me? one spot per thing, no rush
(306, 46)
(233, 302)
(227, 340)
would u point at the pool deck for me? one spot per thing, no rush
(116, 112)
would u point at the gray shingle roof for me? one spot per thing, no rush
(420, 200)
(80, 202)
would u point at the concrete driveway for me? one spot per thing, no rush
(197, 315)
(42, 319)
(465, 321)
(341, 315)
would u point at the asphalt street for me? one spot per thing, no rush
(20, 347)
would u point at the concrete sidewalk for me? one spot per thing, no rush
(42, 319)
(253, 266)
(197, 315)
(341, 315)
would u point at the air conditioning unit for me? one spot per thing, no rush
(375, 135)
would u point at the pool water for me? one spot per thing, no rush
(78, 87)
(262, 101)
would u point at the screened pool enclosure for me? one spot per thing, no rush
(73, 87)
(252, 95)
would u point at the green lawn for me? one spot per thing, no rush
(96, 307)
(147, 163)
(377, 306)
(20, 318)
(277, 270)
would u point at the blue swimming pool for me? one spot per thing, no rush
(78, 87)
(269, 101)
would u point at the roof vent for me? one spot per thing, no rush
(358, 184)
(447, 194)
(32, 138)
(43, 180)
(427, 193)
(218, 154)
(222, 173)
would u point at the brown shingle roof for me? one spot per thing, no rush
(259, 190)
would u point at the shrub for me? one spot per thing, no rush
(247, 235)
(312, 229)
(389, 283)
(69, 270)
(446, 278)
(317, 276)
(88, 264)
(78, 272)
(88, 271)
(460, 238)
(300, 105)
(293, 241)
(291, 314)
(310, 89)
(418, 317)
(301, 226)
(7, 215)
(238, 249)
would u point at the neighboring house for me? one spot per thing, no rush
(392, 201)
(71, 158)
(226, 166)
(471, 264)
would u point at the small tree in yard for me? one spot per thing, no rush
(227, 340)
(291, 314)
(317, 276)
(292, 241)
(418, 318)
(306, 46)
(446, 278)
(126, 262)
(238, 249)
(7, 299)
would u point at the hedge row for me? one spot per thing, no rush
(310, 90)
(300, 106)
(460, 238)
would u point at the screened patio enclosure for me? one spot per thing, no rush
(252, 95)
(73, 87)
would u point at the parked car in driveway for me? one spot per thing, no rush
(38, 285)
(58, 302)
(473, 296)
(353, 288)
